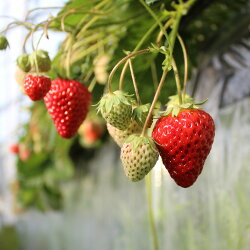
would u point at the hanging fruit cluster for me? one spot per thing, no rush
(183, 133)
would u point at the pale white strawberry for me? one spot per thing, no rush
(138, 155)
(120, 136)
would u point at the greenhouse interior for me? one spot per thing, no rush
(125, 125)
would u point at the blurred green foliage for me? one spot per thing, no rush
(8, 238)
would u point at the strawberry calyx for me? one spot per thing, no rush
(41, 59)
(137, 141)
(23, 62)
(174, 107)
(3, 42)
(111, 99)
(140, 113)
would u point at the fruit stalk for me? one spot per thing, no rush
(121, 62)
(122, 75)
(134, 82)
(160, 35)
(150, 212)
(185, 57)
(155, 17)
(177, 80)
(135, 49)
(157, 93)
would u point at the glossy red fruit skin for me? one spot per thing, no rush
(67, 103)
(36, 87)
(184, 143)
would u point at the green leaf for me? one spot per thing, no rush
(140, 114)
(151, 1)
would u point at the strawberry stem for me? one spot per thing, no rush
(185, 65)
(134, 82)
(32, 35)
(157, 93)
(154, 74)
(156, 18)
(92, 85)
(123, 75)
(150, 211)
(39, 8)
(177, 80)
(68, 59)
(160, 35)
(121, 62)
(135, 49)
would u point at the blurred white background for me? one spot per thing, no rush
(12, 102)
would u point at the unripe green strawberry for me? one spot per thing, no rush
(23, 62)
(42, 59)
(116, 109)
(3, 43)
(120, 136)
(138, 155)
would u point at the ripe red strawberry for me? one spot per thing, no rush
(92, 131)
(24, 152)
(14, 148)
(184, 142)
(67, 103)
(36, 86)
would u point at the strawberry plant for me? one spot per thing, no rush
(112, 57)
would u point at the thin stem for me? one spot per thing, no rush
(10, 26)
(153, 27)
(157, 93)
(160, 35)
(78, 55)
(85, 27)
(150, 211)
(88, 75)
(154, 74)
(32, 34)
(174, 31)
(121, 62)
(25, 41)
(44, 8)
(92, 84)
(134, 82)
(185, 65)
(94, 19)
(63, 19)
(140, 43)
(39, 40)
(45, 28)
(182, 7)
(177, 80)
(123, 74)
(88, 39)
(68, 60)
(155, 17)
(36, 63)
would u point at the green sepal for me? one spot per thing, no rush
(113, 99)
(140, 113)
(174, 107)
(136, 141)
(41, 57)
(3, 43)
(167, 63)
(23, 62)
